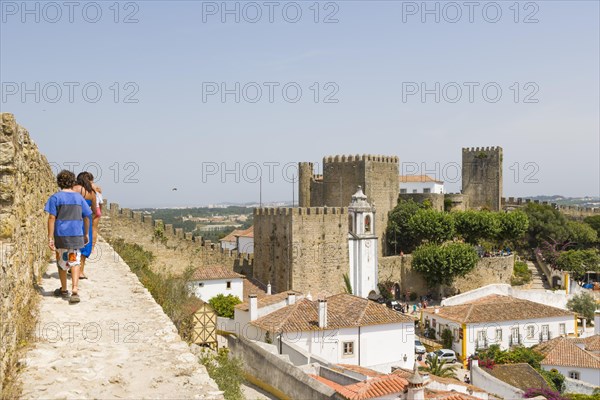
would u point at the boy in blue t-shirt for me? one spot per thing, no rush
(67, 222)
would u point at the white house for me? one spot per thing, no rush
(245, 241)
(575, 358)
(420, 184)
(256, 307)
(362, 246)
(207, 282)
(497, 319)
(343, 329)
(229, 242)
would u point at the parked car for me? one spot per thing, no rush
(444, 354)
(419, 348)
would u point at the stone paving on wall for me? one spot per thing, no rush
(116, 343)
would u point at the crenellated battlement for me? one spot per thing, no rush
(568, 210)
(488, 149)
(357, 157)
(300, 210)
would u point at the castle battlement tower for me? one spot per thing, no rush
(482, 177)
(376, 174)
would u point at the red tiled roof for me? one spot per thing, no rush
(247, 232)
(343, 311)
(565, 352)
(439, 395)
(231, 237)
(417, 178)
(208, 273)
(267, 300)
(361, 370)
(369, 389)
(252, 286)
(497, 308)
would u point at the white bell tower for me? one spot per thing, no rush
(362, 244)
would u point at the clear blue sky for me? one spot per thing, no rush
(370, 57)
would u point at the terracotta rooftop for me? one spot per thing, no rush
(343, 311)
(252, 286)
(231, 236)
(246, 232)
(405, 373)
(521, 375)
(369, 389)
(497, 308)
(267, 300)
(592, 343)
(361, 370)
(565, 352)
(208, 273)
(439, 395)
(417, 178)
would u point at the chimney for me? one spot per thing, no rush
(269, 288)
(597, 323)
(253, 307)
(436, 310)
(291, 299)
(322, 313)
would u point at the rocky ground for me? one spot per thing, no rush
(116, 343)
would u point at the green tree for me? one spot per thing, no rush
(583, 304)
(447, 338)
(545, 223)
(226, 371)
(594, 223)
(555, 379)
(438, 367)
(578, 262)
(474, 226)
(513, 226)
(521, 274)
(581, 234)
(431, 226)
(224, 305)
(398, 235)
(442, 264)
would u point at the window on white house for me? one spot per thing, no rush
(426, 190)
(348, 348)
(481, 336)
(515, 334)
(414, 190)
(228, 284)
(201, 284)
(545, 330)
(530, 331)
(562, 329)
(498, 335)
(402, 190)
(574, 375)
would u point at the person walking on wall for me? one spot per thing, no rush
(85, 189)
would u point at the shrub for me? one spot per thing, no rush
(227, 373)
(441, 264)
(224, 305)
(583, 304)
(521, 274)
(547, 393)
(447, 338)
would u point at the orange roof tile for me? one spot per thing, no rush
(496, 308)
(267, 300)
(439, 395)
(208, 273)
(417, 179)
(361, 370)
(343, 311)
(369, 389)
(246, 232)
(565, 352)
(231, 236)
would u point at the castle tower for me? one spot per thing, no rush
(482, 177)
(305, 176)
(362, 245)
(378, 176)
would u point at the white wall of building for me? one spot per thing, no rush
(225, 245)
(206, 290)
(419, 187)
(589, 375)
(245, 245)
(380, 346)
(489, 331)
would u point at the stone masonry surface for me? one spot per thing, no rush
(116, 343)
(26, 181)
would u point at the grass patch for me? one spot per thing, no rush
(521, 274)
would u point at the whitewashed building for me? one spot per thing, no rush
(245, 241)
(575, 358)
(497, 319)
(343, 328)
(208, 282)
(362, 246)
(420, 184)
